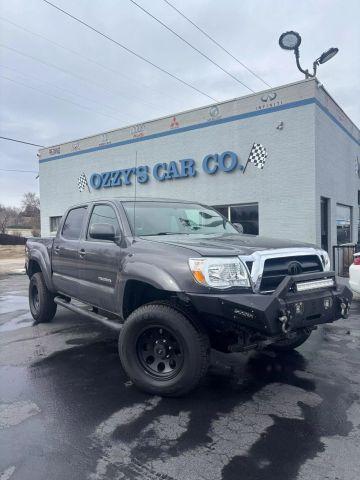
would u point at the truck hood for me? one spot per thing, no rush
(228, 244)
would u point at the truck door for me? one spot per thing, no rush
(66, 262)
(100, 260)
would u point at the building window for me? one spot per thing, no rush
(343, 224)
(223, 210)
(54, 224)
(247, 215)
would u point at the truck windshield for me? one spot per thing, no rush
(161, 218)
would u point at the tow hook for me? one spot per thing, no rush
(345, 307)
(285, 321)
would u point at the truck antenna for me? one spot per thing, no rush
(134, 219)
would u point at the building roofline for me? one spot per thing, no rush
(320, 85)
(225, 102)
(164, 117)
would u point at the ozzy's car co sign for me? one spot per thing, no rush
(211, 164)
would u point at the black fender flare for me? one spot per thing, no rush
(45, 270)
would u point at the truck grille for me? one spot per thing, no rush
(276, 269)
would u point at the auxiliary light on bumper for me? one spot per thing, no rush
(314, 285)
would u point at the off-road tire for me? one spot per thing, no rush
(41, 300)
(289, 344)
(194, 345)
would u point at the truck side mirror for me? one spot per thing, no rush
(102, 231)
(238, 227)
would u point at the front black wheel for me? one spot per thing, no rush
(41, 300)
(291, 343)
(163, 351)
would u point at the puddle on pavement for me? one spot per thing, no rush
(14, 313)
(21, 321)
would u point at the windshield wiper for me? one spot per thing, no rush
(161, 233)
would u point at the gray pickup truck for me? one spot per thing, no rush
(183, 280)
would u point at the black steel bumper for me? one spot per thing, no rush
(283, 310)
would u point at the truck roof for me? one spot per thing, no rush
(137, 199)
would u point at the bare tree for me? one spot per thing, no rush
(7, 215)
(30, 204)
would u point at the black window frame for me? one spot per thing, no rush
(85, 208)
(87, 236)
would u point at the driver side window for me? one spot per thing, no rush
(104, 214)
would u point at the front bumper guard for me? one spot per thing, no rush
(280, 312)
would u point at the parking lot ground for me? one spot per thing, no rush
(67, 410)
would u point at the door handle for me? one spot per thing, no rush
(57, 249)
(82, 253)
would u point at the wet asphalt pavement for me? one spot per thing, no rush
(67, 410)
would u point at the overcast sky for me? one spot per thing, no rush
(51, 94)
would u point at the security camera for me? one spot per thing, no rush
(280, 126)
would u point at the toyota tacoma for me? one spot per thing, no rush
(182, 280)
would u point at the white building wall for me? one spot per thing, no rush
(284, 189)
(312, 155)
(337, 178)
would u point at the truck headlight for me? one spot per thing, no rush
(219, 272)
(325, 259)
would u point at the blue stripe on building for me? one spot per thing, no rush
(233, 118)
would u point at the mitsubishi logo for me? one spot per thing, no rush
(268, 97)
(294, 268)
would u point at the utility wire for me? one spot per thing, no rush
(32, 77)
(14, 170)
(58, 98)
(127, 49)
(67, 72)
(216, 43)
(90, 60)
(20, 141)
(192, 46)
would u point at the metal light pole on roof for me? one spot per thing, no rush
(291, 41)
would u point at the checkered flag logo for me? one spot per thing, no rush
(257, 156)
(82, 183)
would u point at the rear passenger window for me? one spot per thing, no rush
(73, 223)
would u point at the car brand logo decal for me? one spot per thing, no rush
(269, 97)
(174, 123)
(214, 111)
(54, 150)
(294, 268)
(137, 130)
(104, 139)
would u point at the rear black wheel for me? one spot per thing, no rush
(163, 351)
(291, 343)
(41, 300)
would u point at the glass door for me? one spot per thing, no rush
(324, 222)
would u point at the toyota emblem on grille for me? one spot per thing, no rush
(294, 268)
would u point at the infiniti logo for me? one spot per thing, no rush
(268, 97)
(294, 268)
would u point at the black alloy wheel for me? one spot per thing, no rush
(34, 297)
(160, 352)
